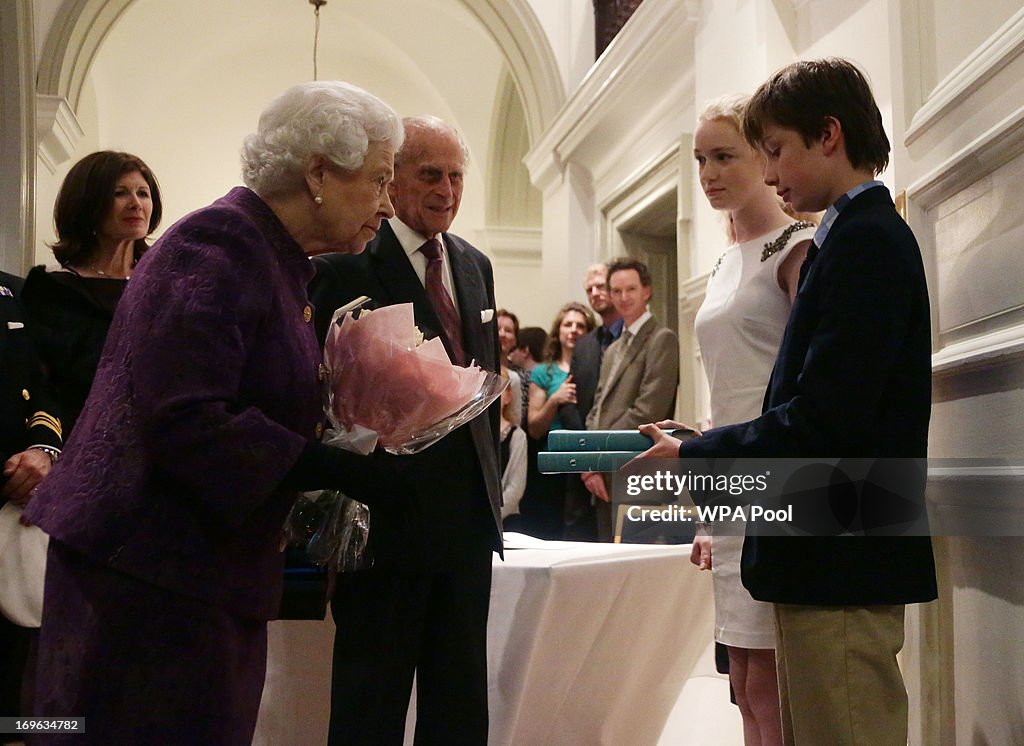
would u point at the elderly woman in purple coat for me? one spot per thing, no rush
(166, 509)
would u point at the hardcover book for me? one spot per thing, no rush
(606, 440)
(560, 462)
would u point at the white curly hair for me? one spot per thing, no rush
(332, 118)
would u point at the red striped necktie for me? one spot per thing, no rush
(442, 301)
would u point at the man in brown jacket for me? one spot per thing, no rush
(639, 373)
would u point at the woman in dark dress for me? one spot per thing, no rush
(165, 511)
(108, 204)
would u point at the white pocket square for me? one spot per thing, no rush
(15, 325)
(486, 315)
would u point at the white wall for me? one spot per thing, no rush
(569, 25)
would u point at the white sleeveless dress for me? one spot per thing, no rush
(739, 327)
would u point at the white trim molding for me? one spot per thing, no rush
(976, 499)
(17, 149)
(612, 95)
(514, 245)
(981, 350)
(637, 192)
(995, 148)
(998, 51)
(57, 130)
(519, 35)
(992, 149)
(71, 45)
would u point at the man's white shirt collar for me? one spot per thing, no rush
(411, 241)
(635, 327)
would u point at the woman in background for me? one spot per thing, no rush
(165, 511)
(107, 205)
(739, 327)
(508, 335)
(551, 387)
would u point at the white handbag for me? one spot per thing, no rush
(22, 568)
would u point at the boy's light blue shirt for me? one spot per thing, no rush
(833, 211)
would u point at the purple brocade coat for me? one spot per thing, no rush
(206, 394)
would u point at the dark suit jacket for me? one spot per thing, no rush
(28, 415)
(446, 499)
(852, 380)
(585, 371)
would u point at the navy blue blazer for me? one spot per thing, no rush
(852, 380)
(446, 499)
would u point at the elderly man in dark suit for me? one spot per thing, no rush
(422, 606)
(30, 433)
(580, 517)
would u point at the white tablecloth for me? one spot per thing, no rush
(586, 644)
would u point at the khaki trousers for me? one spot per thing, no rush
(839, 683)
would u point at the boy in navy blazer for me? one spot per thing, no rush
(852, 379)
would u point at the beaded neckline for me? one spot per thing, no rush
(774, 247)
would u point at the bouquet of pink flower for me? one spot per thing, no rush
(385, 386)
(385, 378)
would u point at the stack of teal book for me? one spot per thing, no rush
(594, 450)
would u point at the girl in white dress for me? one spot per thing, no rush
(739, 327)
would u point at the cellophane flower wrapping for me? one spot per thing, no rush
(383, 377)
(386, 386)
(332, 528)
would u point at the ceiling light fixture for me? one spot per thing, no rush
(317, 4)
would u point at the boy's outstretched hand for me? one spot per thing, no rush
(665, 446)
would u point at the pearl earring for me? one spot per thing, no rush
(319, 199)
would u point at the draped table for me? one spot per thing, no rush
(586, 644)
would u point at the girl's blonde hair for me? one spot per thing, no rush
(729, 107)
